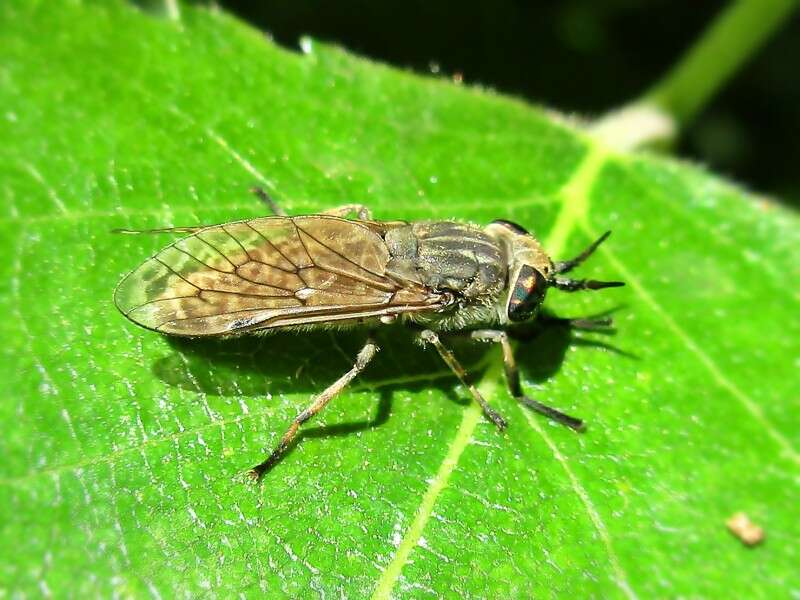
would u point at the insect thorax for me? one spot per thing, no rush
(453, 257)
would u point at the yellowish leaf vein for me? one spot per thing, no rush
(472, 416)
(710, 365)
(575, 204)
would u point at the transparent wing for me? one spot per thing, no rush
(264, 273)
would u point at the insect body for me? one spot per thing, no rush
(324, 270)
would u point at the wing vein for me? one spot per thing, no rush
(236, 273)
(231, 312)
(217, 250)
(193, 257)
(235, 239)
(274, 247)
(246, 295)
(173, 271)
(339, 254)
(153, 301)
(297, 231)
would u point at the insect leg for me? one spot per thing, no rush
(431, 337)
(512, 379)
(574, 285)
(365, 355)
(273, 206)
(364, 214)
(565, 266)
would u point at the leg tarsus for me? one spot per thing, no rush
(548, 411)
(258, 471)
(365, 355)
(273, 206)
(565, 266)
(575, 285)
(512, 379)
(430, 337)
(363, 213)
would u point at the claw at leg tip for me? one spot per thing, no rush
(254, 475)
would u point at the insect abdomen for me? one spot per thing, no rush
(447, 255)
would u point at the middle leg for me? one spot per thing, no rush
(512, 379)
(430, 337)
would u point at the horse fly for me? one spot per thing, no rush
(325, 270)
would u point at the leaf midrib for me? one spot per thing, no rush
(575, 195)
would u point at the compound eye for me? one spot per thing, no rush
(526, 295)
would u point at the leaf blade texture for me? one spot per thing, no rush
(122, 449)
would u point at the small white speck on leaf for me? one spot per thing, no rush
(743, 528)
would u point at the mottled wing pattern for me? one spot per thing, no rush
(265, 273)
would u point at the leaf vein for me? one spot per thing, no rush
(113, 457)
(710, 365)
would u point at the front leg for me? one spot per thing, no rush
(362, 212)
(430, 337)
(512, 378)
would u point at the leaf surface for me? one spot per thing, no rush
(122, 449)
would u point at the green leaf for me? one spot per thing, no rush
(122, 450)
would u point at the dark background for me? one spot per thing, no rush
(576, 56)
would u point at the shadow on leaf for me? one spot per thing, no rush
(284, 362)
(292, 362)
